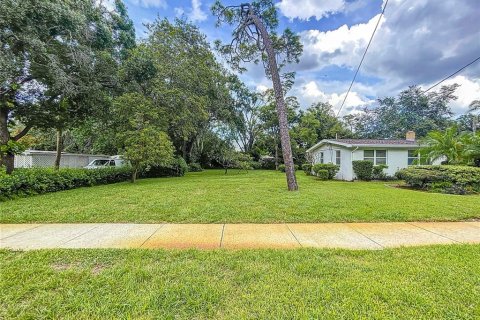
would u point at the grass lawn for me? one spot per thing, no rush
(256, 196)
(438, 282)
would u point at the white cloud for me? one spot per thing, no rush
(150, 3)
(417, 43)
(305, 9)
(342, 46)
(311, 93)
(197, 14)
(179, 12)
(261, 88)
(468, 91)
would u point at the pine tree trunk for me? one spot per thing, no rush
(276, 155)
(280, 101)
(58, 156)
(7, 158)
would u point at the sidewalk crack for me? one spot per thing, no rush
(441, 235)
(78, 236)
(364, 235)
(20, 232)
(221, 238)
(151, 235)
(288, 227)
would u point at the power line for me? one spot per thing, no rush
(436, 84)
(363, 57)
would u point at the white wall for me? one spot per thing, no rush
(396, 158)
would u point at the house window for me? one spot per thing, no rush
(369, 155)
(380, 157)
(413, 158)
(321, 157)
(376, 156)
(337, 157)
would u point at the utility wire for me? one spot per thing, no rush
(363, 57)
(436, 84)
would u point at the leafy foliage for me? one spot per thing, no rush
(446, 179)
(322, 174)
(331, 169)
(175, 168)
(36, 181)
(451, 146)
(363, 169)
(195, 167)
(411, 110)
(377, 172)
(307, 168)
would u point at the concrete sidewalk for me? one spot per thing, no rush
(237, 236)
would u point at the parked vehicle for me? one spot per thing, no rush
(115, 161)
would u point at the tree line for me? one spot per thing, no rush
(74, 78)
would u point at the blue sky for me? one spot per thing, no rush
(418, 42)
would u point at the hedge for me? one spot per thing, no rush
(323, 174)
(442, 178)
(331, 168)
(363, 169)
(178, 168)
(24, 182)
(195, 167)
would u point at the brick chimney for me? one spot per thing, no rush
(410, 136)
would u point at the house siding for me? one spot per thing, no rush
(396, 158)
(329, 151)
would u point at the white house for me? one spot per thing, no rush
(396, 154)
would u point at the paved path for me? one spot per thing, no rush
(237, 236)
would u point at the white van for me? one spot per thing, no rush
(115, 161)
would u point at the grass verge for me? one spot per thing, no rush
(436, 282)
(256, 196)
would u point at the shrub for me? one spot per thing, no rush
(446, 179)
(323, 174)
(24, 182)
(177, 168)
(267, 163)
(195, 167)
(377, 172)
(363, 169)
(256, 165)
(307, 168)
(330, 167)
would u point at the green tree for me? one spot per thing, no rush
(472, 148)
(176, 69)
(56, 60)
(413, 110)
(255, 40)
(140, 138)
(245, 122)
(270, 141)
(146, 146)
(448, 145)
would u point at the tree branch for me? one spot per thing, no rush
(22, 133)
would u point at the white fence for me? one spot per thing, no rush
(44, 159)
